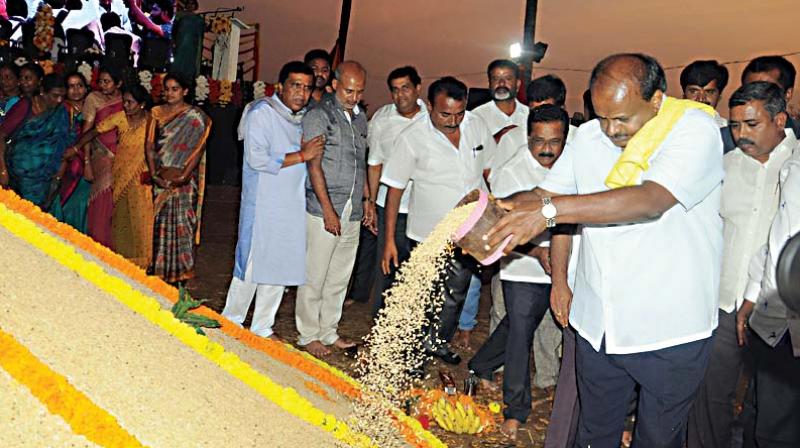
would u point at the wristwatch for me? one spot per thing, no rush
(549, 212)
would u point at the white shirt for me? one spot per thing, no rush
(384, 127)
(770, 322)
(750, 196)
(496, 120)
(654, 284)
(442, 173)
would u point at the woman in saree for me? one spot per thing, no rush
(70, 205)
(39, 131)
(132, 220)
(9, 84)
(176, 159)
(100, 154)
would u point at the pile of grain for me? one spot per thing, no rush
(394, 345)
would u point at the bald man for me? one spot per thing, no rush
(645, 299)
(337, 202)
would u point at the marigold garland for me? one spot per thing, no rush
(285, 353)
(62, 398)
(147, 307)
(43, 34)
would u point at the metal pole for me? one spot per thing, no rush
(344, 25)
(528, 34)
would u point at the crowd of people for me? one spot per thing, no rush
(642, 244)
(129, 175)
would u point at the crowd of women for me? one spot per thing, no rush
(129, 175)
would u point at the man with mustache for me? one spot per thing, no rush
(774, 69)
(704, 81)
(525, 273)
(337, 201)
(270, 251)
(446, 157)
(320, 62)
(749, 202)
(384, 127)
(644, 179)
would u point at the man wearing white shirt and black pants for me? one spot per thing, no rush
(525, 273)
(774, 336)
(646, 290)
(446, 157)
(386, 124)
(750, 196)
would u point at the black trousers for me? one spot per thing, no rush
(364, 269)
(711, 417)
(403, 244)
(777, 393)
(454, 285)
(510, 345)
(669, 380)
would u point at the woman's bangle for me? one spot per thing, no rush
(302, 157)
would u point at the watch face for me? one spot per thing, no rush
(549, 211)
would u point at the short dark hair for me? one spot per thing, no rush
(138, 92)
(402, 72)
(548, 113)
(763, 64)
(317, 53)
(166, 6)
(648, 73)
(33, 67)
(769, 93)
(448, 85)
(294, 67)
(109, 20)
(547, 87)
(53, 81)
(502, 63)
(700, 73)
(587, 103)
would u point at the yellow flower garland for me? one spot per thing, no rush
(285, 397)
(62, 398)
(411, 429)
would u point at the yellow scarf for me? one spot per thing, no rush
(634, 159)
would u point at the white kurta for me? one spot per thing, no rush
(272, 218)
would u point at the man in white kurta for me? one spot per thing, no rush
(270, 251)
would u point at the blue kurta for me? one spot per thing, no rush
(272, 217)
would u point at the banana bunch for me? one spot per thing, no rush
(457, 419)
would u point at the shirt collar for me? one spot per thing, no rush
(340, 106)
(423, 110)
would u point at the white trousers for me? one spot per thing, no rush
(329, 263)
(240, 295)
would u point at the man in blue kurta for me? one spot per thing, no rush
(270, 252)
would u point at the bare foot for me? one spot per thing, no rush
(343, 343)
(317, 349)
(461, 339)
(276, 338)
(627, 438)
(509, 428)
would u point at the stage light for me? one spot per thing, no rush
(515, 50)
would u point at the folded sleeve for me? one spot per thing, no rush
(400, 166)
(561, 177)
(689, 164)
(259, 152)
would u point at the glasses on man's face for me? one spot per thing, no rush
(300, 86)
